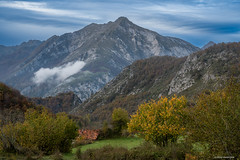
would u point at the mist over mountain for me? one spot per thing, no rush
(85, 60)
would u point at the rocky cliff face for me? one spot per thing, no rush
(164, 76)
(85, 60)
(206, 69)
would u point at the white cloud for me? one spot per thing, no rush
(58, 74)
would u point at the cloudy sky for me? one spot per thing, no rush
(196, 21)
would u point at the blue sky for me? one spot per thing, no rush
(196, 21)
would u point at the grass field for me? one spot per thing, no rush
(116, 142)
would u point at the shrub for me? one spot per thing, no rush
(119, 120)
(105, 153)
(146, 151)
(104, 134)
(79, 154)
(175, 151)
(57, 155)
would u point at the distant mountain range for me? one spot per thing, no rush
(85, 60)
(152, 78)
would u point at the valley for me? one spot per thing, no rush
(119, 91)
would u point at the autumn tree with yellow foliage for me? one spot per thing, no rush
(159, 121)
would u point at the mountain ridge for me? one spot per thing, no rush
(104, 48)
(152, 78)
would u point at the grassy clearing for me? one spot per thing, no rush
(116, 142)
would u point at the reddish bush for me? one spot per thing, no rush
(88, 134)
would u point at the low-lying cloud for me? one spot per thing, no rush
(58, 74)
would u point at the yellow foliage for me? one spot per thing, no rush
(41, 131)
(159, 121)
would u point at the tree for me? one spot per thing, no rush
(119, 120)
(159, 121)
(215, 120)
(40, 132)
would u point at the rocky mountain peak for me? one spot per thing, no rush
(123, 21)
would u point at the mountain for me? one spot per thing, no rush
(11, 57)
(85, 60)
(137, 83)
(209, 44)
(207, 69)
(164, 76)
(63, 102)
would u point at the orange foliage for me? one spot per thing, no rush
(88, 134)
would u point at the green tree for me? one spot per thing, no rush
(159, 121)
(215, 121)
(40, 132)
(119, 120)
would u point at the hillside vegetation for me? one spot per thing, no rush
(164, 76)
(12, 105)
(63, 102)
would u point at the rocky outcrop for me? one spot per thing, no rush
(206, 68)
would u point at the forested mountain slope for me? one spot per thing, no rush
(164, 76)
